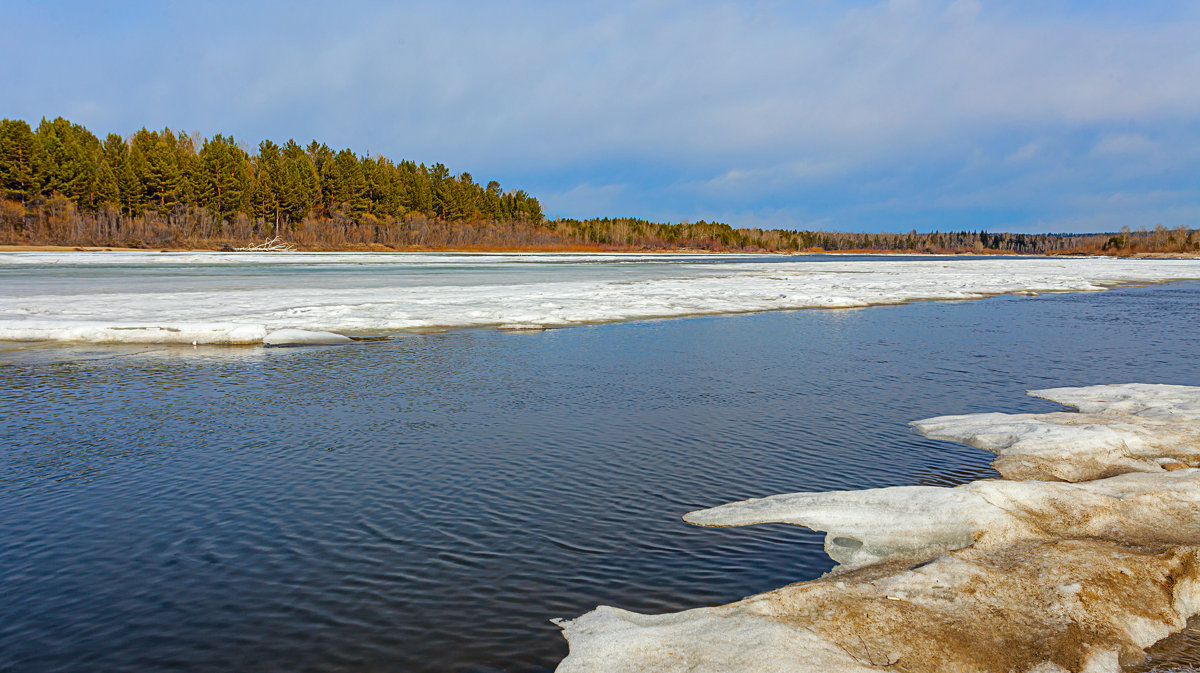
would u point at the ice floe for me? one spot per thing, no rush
(298, 337)
(1118, 429)
(912, 522)
(1070, 605)
(128, 332)
(52, 296)
(996, 575)
(168, 333)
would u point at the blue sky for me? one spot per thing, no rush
(857, 116)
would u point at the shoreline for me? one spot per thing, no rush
(795, 284)
(591, 250)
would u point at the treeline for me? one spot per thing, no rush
(166, 172)
(61, 185)
(641, 234)
(632, 232)
(58, 222)
(1126, 242)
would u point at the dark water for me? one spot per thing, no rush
(427, 503)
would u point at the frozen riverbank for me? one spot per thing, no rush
(245, 298)
(995, 575)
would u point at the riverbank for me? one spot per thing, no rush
(585, 249)
(365, 248)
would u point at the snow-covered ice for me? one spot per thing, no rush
(296, 337)
(913, 522)
(132, 332)
(1118, 429)
(995, 575)
(230, 297)
(1069, 605)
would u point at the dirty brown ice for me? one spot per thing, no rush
(1086, 553)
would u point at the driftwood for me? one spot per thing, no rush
(270, 245)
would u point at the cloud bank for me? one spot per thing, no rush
(889, 116)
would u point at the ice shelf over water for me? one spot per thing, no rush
(242, 297)
(992, 576)
(1117, 429)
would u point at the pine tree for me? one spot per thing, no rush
(224, 176)
(443, 197)
(19, 154)
(156, 170)
(267, 179)
(107, 187)
(187, 162)
(116, 155)
(491, 200)
(299, 188)
(344, 186)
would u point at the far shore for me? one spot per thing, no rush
(587, 249)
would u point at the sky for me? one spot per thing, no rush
(1047, 116)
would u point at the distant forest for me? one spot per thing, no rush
(62, 185)
(629, 233)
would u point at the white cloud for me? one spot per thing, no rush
(1026, 152)
(964, 9)
(767, 179)
(712, 82)
(1124, 144)
(1108, 220)
(734, 101)
(596, 200)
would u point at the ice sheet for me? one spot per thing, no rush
(96, 296)
(130, 332)
(1072, 605)
(1119, 428)
(915, 522)
(995, 575)
(297, 337)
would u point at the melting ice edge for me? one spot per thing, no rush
(1084, 553)
(145, 310)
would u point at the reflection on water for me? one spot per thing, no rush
(426, 503)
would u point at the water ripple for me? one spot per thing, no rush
(426, 503)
